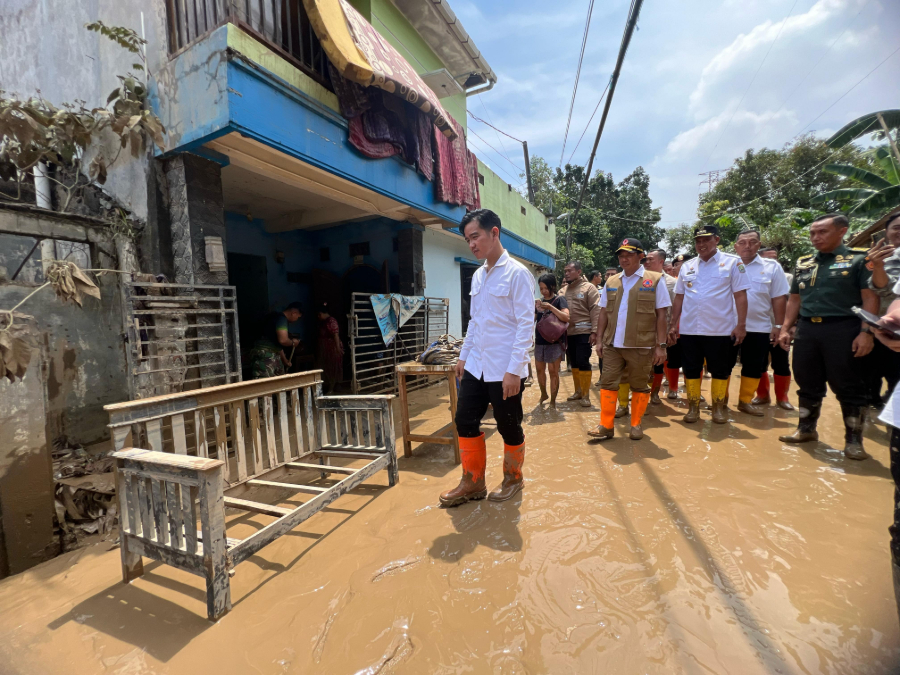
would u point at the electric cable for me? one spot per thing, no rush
(587, 26)
(596, 108)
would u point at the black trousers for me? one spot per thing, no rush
(894, 528)
(578, 352)
(880, 364)
(674, 355)
(780, 364)
(718, 351)
(754, 355)
(823, 355)
(474, 397)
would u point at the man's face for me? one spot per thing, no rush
(292, 315)
(706, 245)
(479, 240)
(747, 246)
(571, 273)
(893, 233)
(824, 236)
(610, 273)
(629, 261)
(771, 254)
(654, 262)
(676, 268)
(668, 269)
(596, 280)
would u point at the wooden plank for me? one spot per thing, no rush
(121, 437)
(295, 420)
(454, 394)
(132, 566)
(189, 517)
(220, 420)
(387, 417)
(268, 418)
(256, 507)
(322, 469)
(348, 454)
(237, 438)
(285, 433)
(255, 433)
(404, 414)
(179, 437)
(441, 440)
(272, 531)
(309, 408)
(176, 520)
(146, 507)
(183, 560)
(134, 504)
(212, 523)
(200, 433)
(137, 459)
(160, 511)
(154, 435)
(288, 486)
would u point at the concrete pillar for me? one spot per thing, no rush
(411, 260)
(196, 211)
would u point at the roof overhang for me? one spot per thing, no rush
(443, 31)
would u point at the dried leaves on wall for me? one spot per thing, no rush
(71, 283)
(16, 345)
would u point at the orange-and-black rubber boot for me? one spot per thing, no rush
(513, 459)
(473, 456)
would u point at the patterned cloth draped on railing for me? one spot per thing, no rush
(456, 179)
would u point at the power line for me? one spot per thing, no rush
(596, 108)
(587, 27)
(633, 14)
(517, 168)
(476, 117)
(487, 114)
(848, 91)
(484, 153)
(409, 51)
(752, 80)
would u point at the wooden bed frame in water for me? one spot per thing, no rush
(209, 447)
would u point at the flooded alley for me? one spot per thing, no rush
(701, 549)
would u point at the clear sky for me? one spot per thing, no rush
(676, 110)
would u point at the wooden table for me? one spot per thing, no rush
(440, 436)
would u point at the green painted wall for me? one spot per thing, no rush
(508, 204)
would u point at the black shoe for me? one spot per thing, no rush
(854, 421)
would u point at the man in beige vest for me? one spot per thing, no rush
(632, 326)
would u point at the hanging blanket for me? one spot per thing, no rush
(456, 180)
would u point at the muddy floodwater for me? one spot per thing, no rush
(700, 549)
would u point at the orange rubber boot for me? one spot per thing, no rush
(762, 391)
(473, 455)
(513, 459)
(782, 386)
(672, 382)
(639, 401)
(609, 401)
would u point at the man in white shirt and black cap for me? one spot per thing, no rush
(711, 306)
(766, 296)
(493, 361)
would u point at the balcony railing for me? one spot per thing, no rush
(281, 24)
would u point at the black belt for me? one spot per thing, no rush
(827, 319)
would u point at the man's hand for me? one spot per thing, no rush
(889, 340)
(592, 339)
(511, 385)
(784, 339)
(862, 344)
(673, 335)
(879, 253)
(460, 369)
(773, 336)
(599, 349)
(659, 356)
(739, 333)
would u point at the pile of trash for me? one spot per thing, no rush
(85, 497)
(443, 351)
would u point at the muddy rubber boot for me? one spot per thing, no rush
(718, 393)
(576, 381)
(586, 389)
(607, 415)
(749, 385)
(854, 420)
(672, 383)
(810, 409)
(762, 391)
(473, 456)
(639, 402)
(654, 391)
(782, 386)
(692, 388)
(513, 459)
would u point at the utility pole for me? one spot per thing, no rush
(712, 177)
(623, 48)
(528, 172)
(568, 234)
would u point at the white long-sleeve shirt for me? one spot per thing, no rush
(708, 289)
(502, 321)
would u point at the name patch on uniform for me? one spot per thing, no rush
(740, 266)
(841, 265)
(579, 296)
(647, 283)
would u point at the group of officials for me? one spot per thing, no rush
(645, 323)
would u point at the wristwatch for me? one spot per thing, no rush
(865, 329)
(778, 326)
(662, 344)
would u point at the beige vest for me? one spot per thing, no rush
(640, 321)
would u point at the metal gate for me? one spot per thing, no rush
(179, 337)
(374, 365)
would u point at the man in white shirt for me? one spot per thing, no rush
(709, 318)
(633, 336)
(779, 357)
(766, 296)
(656, 262)
(493, 361)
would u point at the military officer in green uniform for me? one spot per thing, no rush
(830, 340)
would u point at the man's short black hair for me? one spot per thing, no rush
(295, 305)
(837, 219)
(576, 264)
(749, 230)
(612, 269)
(594, 273)
(662, 254)
(487, 220)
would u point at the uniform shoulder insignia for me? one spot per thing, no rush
(859, 251)
(805, 257)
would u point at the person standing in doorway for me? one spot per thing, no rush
(493, 361)
(656, 262)
(633, 336)
(582, 297)
(709, 318)
(547, 355)
(267, 357)
(830, 339)
(331, 349)
(767, 296)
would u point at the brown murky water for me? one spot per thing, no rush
(701, 549)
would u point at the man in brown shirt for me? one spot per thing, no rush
(583, 298)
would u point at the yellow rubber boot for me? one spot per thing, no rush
(624, 390)
(719, 391)
(585, 388)
(576, 380)
(749, 386)
(692, 389)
